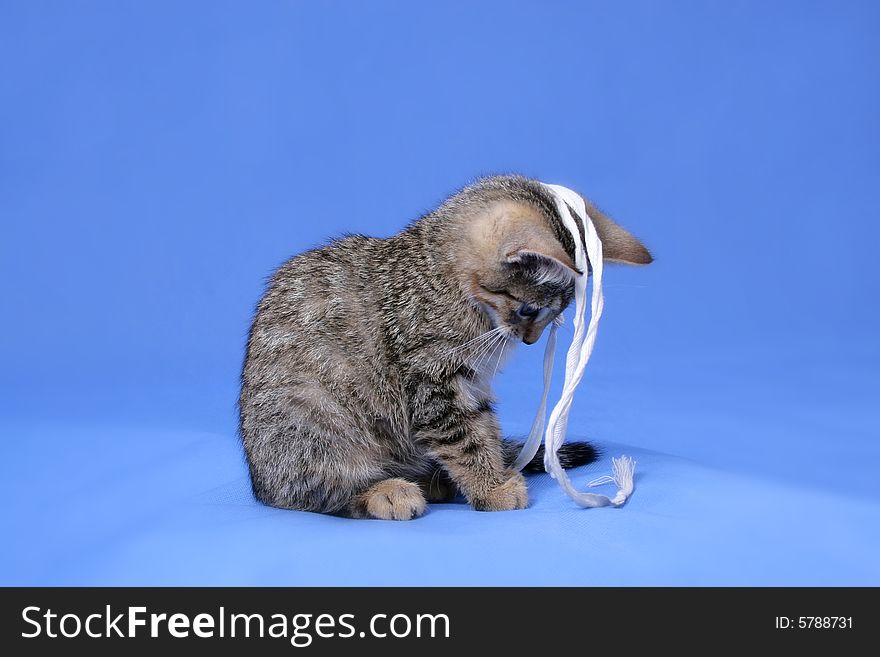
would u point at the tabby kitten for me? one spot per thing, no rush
(366, 385)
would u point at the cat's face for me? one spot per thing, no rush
(524, 297)
(519, 274)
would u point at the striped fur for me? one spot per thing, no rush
(366, 387)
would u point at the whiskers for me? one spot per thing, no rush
(476, 342)
(481, 351)
(500, 357)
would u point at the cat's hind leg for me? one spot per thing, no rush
(389, 499)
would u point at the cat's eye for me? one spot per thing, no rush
(527, 310)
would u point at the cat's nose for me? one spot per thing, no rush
(531, 337)
(532, 334)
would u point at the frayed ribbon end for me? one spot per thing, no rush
(624, 468)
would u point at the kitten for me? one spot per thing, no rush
(366, 385)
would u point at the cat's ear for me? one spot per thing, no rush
(535, 249)
(618, 244)
(544, 268)
(556, 261)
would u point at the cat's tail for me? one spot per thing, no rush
(571, 455)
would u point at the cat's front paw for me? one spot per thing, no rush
(510, 495)
(394, 499)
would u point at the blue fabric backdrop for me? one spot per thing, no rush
(158, 160)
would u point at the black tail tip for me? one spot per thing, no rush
(571, 455)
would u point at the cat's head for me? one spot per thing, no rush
(522, 276)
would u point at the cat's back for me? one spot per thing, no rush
(341, 256)
(324, 295)
(322, 276)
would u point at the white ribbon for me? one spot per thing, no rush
(576, 362)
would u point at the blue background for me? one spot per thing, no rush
(159, 159)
